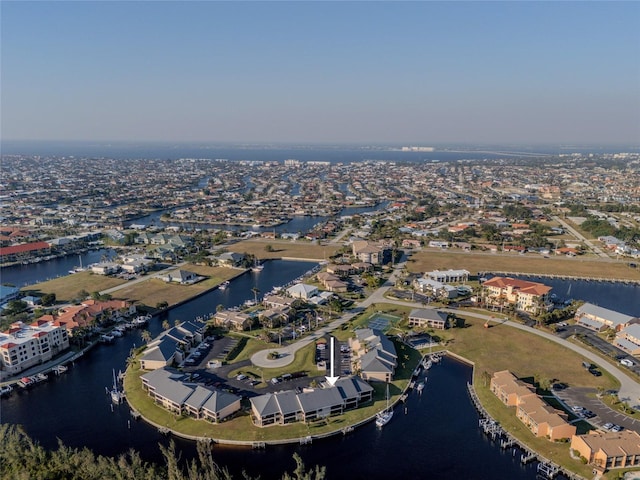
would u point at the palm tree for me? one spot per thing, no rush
(165, 325)
(255, 291)
(146, 336)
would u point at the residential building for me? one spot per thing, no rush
(530, 297)
(286, 407)
(628, 339)
(183, 277)
(599, 318)
(23, 346)
(374, 355)
(428, 318)
(174, 392)
(302, 291)
(373, 253)
(233, 320)
(542, 419)
(448, 276)
(606, 450)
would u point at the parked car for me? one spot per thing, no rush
(241, 377)
(608, 426)
(616, 428)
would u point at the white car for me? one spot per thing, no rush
(241, 377)
(577, 408)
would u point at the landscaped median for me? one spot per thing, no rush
(240, 428)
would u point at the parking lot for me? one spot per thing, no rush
(573, 397)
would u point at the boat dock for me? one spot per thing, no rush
(561, 277)
(545, 468)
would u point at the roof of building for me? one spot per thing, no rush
(616, 318)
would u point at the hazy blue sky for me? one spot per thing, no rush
(418, 72)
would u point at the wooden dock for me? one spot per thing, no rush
(546, 468)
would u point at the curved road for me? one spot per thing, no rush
(629, 389)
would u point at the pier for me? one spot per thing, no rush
(561, 277)
(546, 468)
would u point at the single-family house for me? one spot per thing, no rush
(302, 290)
(182, 277)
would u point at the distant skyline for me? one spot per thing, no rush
(321, 72)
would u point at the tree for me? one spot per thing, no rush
(162, 305)
(255, 291)
(165, 324)
(48, 299)
(268, 248)
(146, 336)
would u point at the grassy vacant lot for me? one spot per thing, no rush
(154, 290)
(428, 259)
(149, 292)
(67, 288)
(284, 248)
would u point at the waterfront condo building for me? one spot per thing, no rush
(609, 450)
(542, 419)
(530, 297)
(22, 346)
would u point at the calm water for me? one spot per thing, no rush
(297, 224)
(21, 275)
(623, 298)
(326, 153)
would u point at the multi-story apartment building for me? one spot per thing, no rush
(23, 346)
(530, 297)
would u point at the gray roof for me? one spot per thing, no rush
(265, 404)
(164, 350)
(320, 399)
(633, 330)
(219, 401)
(167, 384)
(428, 314)
(352, 387)
(612, 316)
(371, 362)
(199, 396)
(288, 402)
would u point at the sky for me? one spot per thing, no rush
(321, 72)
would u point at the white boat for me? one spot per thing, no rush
(116, 394)
(58, 369)
(224, 285)
(141, 320)
(78, 269)
(6, 390)
(384, 417)
(257, 267)
(107, 338)
(420, 387)
(41, 377)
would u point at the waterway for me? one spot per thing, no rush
(620, 297)
(437, 438)
(22, 275)
(298, 224)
